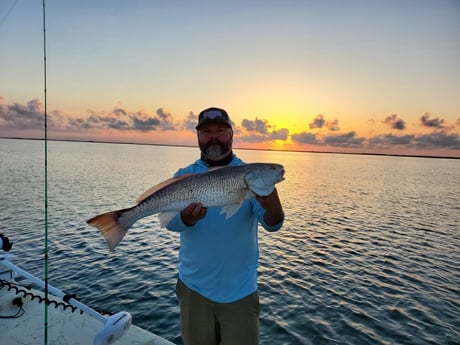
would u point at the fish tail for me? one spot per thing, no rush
(110, 226)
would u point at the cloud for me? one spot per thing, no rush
(166, 119)
(333, 125)
(438, 140)
(344, 140)
(320, 122)
(434, 123)
(280, 134)
(18, 116)
(143, 122)
(119, 112)
(260, 130)
(162, 120)
(391, 140)
(257, 125)
(190, 122)
(337, 140)
(305, 138)
(395, 122)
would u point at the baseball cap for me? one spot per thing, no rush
(213, 115)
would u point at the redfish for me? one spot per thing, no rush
(225, 187)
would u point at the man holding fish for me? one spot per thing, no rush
(216, 204)
(218, 257)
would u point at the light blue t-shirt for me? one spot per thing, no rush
(218, 257)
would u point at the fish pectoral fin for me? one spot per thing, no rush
(248, 194)
(230, 210)
(240, 195)
(165, 218)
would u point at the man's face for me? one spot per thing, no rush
(215, 140)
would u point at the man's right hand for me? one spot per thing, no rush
(193, 213)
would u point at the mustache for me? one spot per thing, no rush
(215, 142)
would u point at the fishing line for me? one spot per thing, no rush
(46, 175)
(7, 13)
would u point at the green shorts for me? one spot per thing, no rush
(204, 322)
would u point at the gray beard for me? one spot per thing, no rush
(215, 151)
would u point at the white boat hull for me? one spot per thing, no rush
(66, 326)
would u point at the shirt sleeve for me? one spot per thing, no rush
(177, 225)
(260, 212)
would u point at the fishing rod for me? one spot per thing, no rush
(45, 74)
(115, 325)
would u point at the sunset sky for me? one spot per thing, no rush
(324, 75)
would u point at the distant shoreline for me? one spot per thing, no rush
(242, 148)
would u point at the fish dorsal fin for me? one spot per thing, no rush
(217, 167)
(159, 186)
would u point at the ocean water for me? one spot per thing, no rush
(369, 252)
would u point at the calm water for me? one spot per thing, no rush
(369, 254)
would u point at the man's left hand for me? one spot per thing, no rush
(272, 205)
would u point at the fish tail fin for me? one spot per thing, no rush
(110, 226)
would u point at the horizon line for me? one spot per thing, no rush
(240, 148)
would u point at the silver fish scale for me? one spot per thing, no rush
(210, 189)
